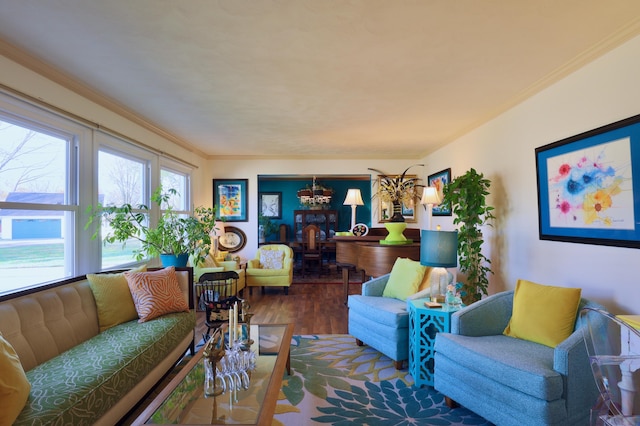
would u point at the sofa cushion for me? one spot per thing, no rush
(156, 293)
(117, 359)
(14, 386)
(543, 314)
(113, 298)
(382, 310)
(518, 364)
(405, 278)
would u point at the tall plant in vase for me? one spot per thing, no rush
(467, 195)
(174, 235)
(398, 190)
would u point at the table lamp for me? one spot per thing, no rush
(439, 249)
(430, 198)
(218, 231)
(354, 199)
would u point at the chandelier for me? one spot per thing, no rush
(316, 196)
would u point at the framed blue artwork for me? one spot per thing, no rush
(587, 189)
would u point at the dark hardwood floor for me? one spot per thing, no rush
(313, 308)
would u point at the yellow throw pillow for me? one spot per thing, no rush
(113, 298)
(543, 314)
(14, 386)
(406, 276)
(156, 293)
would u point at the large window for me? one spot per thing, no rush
(121, 180)
(51, 169)
(37, 203)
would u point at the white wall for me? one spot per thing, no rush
(605, 91)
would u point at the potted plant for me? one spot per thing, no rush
(266, 227)
(399, 189)
(467, 195)
(173, 237)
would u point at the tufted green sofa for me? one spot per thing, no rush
(78, 375)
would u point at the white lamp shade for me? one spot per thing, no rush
(354, 198)
(430, 196)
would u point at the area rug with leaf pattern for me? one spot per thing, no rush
(335, 382)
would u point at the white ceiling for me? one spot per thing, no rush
(315, 78)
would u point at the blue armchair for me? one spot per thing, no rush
(511, 381)
(381, 322)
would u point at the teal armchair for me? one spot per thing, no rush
(511, 381)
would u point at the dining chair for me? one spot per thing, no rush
(311, 248)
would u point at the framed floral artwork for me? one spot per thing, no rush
(230, 198)
(587, 191)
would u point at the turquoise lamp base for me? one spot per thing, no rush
(395, 237)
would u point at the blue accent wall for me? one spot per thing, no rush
(289, 189)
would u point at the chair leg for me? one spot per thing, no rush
(250, 291)
(450, 402)
(398, 365)
(359, 342)
(262, 287)
(286, 291)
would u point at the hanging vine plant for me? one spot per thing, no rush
(467, 195)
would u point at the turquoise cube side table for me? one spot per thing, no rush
(424, 324)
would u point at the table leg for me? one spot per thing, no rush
(345, 283)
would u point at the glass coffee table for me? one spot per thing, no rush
(183, 401)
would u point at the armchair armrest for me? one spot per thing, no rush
(375, 287)
(485, 317)
(253, 264)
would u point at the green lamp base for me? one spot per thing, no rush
(395, 236)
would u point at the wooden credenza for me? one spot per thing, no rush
(366, 254)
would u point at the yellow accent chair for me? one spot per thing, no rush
(272, 267)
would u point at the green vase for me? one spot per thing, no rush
(395, 237)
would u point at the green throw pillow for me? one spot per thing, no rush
(113, 298)
(406, 276)
(543, 314)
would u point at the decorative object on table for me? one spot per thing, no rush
(395, 235)
(398, 191)
(233, 240)
(231, 195)
(467, 196)
(430, 198)
(270, 204)
(213, 352)
(353, 199)
(316, 197)
(438, 249)
(587, 186)
(439, 180)
(359, 230)
(174, 237)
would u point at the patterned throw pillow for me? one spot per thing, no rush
(271, 259)
(113, 298)
(14, 386)
(156, 293)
